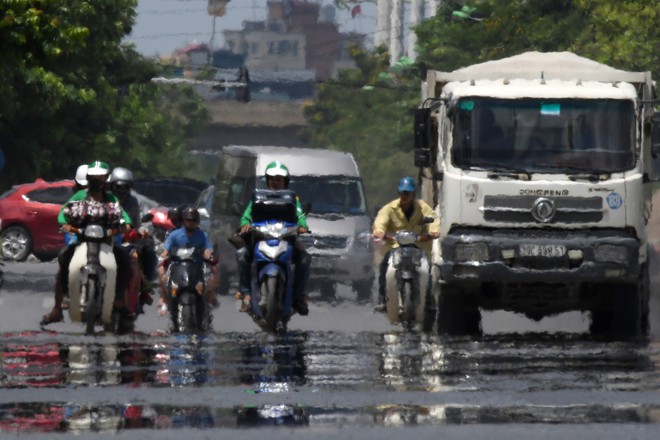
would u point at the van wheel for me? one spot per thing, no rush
(363, 290)
(458, 314)
(224, 281)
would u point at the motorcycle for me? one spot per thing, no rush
(139, 245)
(273, 227)
(92, 278)
(409, 301)
(186, 287)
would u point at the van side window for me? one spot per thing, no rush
(235, 194)
(248, 190)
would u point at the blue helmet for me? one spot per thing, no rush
(407, 184)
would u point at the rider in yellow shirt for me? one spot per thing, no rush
(403, 213)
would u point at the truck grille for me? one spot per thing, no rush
(520, 209)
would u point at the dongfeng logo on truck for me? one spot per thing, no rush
(543, 210)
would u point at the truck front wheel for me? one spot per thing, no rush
(458, 313)
(623, 312)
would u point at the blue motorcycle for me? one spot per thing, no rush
(274, 227)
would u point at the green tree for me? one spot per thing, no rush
(505, 28)
(72, 93)
(366, 112)
(624, 34)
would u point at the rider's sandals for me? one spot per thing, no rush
(52, 316)
(245, 306)
(162, 307)
(212, 300)
(145, 297)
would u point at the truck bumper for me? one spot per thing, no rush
(539, 256)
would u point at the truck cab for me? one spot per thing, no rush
(540, 166)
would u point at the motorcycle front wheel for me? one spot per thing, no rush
(93, 306)
(269, 290)
(185, 318)
(410, 302)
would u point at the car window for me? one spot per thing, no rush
(8, 192)
(170, 191)
(56, 195)
(205, 199)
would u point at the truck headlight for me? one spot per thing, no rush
(611, 253)
(471, 252)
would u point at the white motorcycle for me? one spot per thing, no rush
(92, 278)
(409, 300)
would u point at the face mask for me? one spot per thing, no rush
(121, 191)
(95, 185)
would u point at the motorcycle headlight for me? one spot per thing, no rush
(471, 252)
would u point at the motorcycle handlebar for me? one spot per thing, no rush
(420, 238)
(78, 231)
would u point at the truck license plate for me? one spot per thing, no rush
(537, 250)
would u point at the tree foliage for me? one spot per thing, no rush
(374, 96)
(373, 122)
(73, 93)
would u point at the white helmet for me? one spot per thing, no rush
(81, 175)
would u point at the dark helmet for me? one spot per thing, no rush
(174, 214)
(121, 182)
(121, 174)
(190, 213)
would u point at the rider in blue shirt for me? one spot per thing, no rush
(189, 234)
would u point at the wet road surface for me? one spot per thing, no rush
(342, 372)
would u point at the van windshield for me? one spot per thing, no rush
(329, 194)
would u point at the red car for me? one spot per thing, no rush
(28, 215)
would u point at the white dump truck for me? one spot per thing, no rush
(540, 166)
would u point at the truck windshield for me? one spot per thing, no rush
(552, 135)
(329, 194)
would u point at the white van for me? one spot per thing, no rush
(339, 244)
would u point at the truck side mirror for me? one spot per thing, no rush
(655, 134)
(423, 157)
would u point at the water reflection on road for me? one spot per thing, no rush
(57, 382)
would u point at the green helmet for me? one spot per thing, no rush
(277, 168)
(98, 168)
